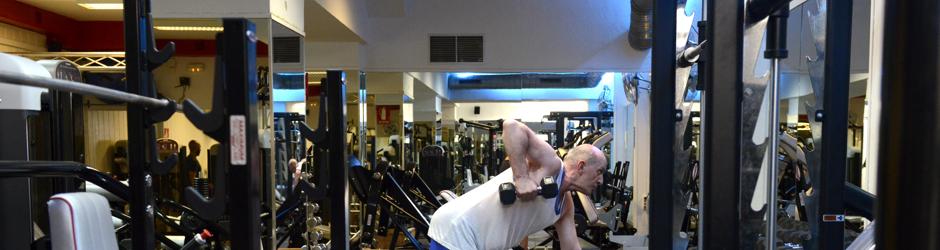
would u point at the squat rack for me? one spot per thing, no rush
(724, 173)
(232, 122)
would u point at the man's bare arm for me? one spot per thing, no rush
(567, 232)
(523, 146)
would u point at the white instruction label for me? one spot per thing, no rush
(237, 139)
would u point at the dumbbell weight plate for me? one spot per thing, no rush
(507, 193)
(549, 188)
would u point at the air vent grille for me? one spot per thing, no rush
(443, 49)
(456, 49)
(469, 49)
(286, 50)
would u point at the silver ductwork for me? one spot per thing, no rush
(641, 24)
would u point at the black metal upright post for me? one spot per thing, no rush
(835, 125)
(909, 166)
(560, 125)
(721, 125)
(663, 119)
(339, 188)
(245, 169)
(16, 230)
(138, 78)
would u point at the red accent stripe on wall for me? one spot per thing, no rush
(202, 48)
(74, 35)
(56, 27)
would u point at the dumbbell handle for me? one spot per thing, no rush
(507, 199)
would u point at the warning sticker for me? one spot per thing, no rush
(237, 140)
(833, 218)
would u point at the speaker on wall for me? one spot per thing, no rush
(476, 110)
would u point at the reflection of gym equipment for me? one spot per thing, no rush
(491, 153)
(564, 137)
(330, 174)
(436, 167)
(288, 144)
(235, 54)
(393, 198)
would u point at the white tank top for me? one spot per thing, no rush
(477, 219)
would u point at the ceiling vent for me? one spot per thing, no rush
(450, 49)
(287, 50)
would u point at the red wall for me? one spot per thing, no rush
(74, 35)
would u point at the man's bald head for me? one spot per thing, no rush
(587, 153)
(585, 166)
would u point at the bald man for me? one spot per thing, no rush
(477, 220)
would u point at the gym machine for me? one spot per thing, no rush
(740, 132)
(232, 126)
(288, 144)
(566, 138)
(491, 151)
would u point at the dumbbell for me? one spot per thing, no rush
(547, 189)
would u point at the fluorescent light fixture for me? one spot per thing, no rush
(102, 6)
(465, 74)
(189, 28)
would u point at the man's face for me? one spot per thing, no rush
(590, 177)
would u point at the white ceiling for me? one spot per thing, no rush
(321, 26)
(70, 8)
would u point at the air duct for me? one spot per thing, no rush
(641, 24)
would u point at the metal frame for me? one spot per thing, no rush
(339, 172)
(240, 84)
(492, 162)
(721, 125)
(141, 59)
(87, 89)
(663, 119)
(561, 118)
(910, 125)
(86, 61)
(835, 124)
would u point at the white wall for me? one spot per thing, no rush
(873, 102)
(292, 107)
(641, 163)
(332, 55)
(527, 111)
(351, 13)
(435, 81)
(449, 114)
(289, 13)
(548, 35)
(622, 146)
(104, 125)
(427, 108)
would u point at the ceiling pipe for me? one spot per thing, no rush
(641, 25)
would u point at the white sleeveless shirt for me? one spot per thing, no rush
(478, 220)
